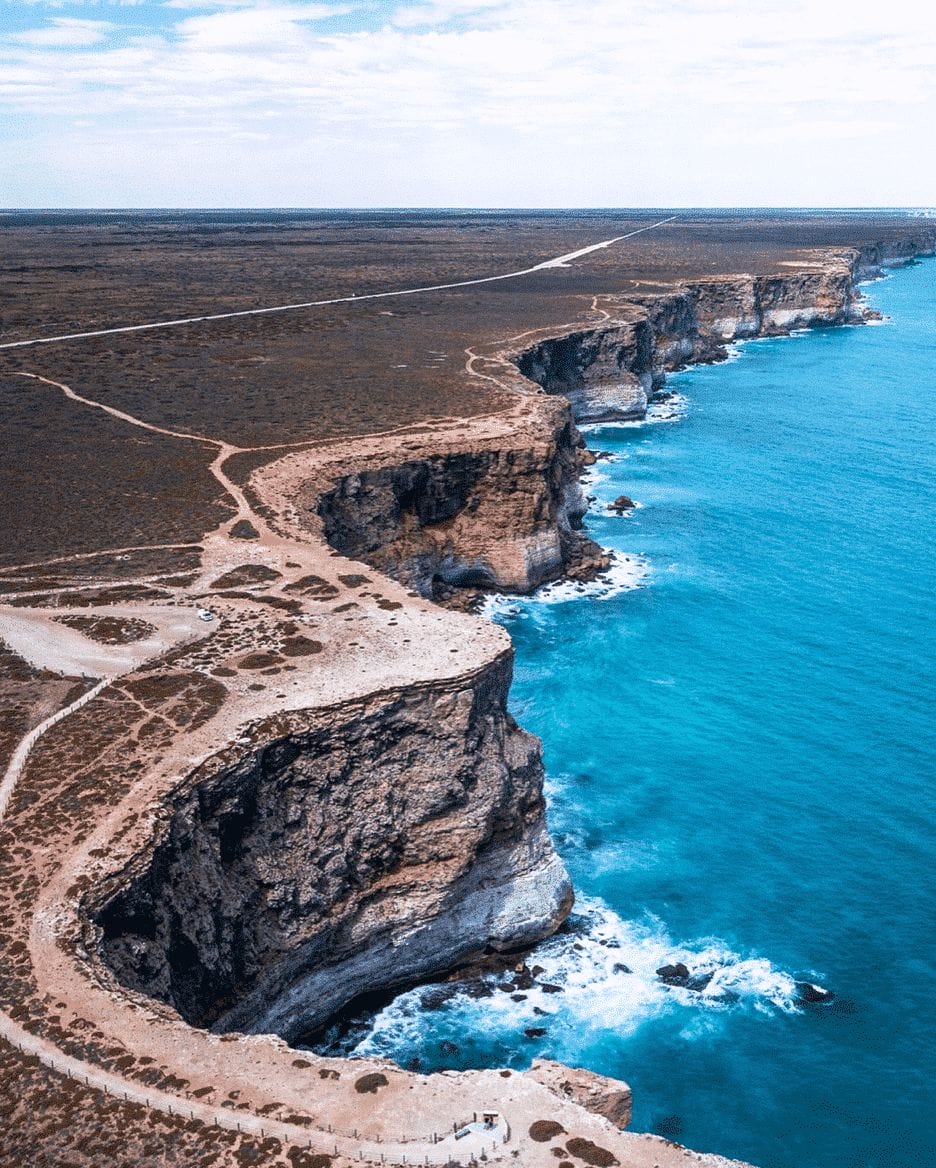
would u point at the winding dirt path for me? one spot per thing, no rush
(413, 1152)
(417, 1151)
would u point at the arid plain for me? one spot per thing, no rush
(236, 554)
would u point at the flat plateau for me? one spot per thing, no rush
(257, 758)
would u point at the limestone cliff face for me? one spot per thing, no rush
(677, 339)
(606, 372)
(609, 370)
(363, 847)
(896, 253)
(504, 515)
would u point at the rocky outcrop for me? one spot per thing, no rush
(610, 1098)
(606, 372)
(363, 847)
(504, 515)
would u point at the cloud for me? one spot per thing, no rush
(442, 11)
(64, 32)
(252, 27)
(634, 101)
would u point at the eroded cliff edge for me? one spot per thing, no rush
(609, 370)
(375, 844)
(280, 888)
(232, 810)
(504, 513)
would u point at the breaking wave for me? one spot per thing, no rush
(597, 979)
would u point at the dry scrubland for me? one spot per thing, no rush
(316, 374)
(114, 534)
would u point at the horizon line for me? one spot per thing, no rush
(440, 207)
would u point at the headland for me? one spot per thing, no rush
(259, 760)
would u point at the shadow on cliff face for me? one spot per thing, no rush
(391, 841)
(505, 519)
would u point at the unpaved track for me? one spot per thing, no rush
(417, 1152)
(556, 262)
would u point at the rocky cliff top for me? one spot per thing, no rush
(291, 760)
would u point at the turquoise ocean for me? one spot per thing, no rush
(740, 762)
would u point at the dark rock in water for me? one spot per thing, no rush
(539, 1012)
(620, 967)
(728, 997)
(810, 994)
(699, 981)
(537, 970)
(551, 989)
(674, 975)
(448, 1047)
(518, 997)
(436, 997)
(535, 1031)
(621, 504)
(506, 987)
(523, 979)
(477, 988)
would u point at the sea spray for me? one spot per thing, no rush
(596, 979)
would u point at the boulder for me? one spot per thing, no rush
(674, 975)
(809, 994)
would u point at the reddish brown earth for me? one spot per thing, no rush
(228, 462)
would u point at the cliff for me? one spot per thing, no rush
(873, 258)
(506, 514)
(324, 794)
(280, 887)
(502, 514)
(608, 371)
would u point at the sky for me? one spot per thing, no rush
(467, 103)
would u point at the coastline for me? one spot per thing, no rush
(291, 490)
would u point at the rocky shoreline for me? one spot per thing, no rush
(610, 371)
(328, 795)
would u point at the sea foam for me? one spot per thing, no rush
(595, 979)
